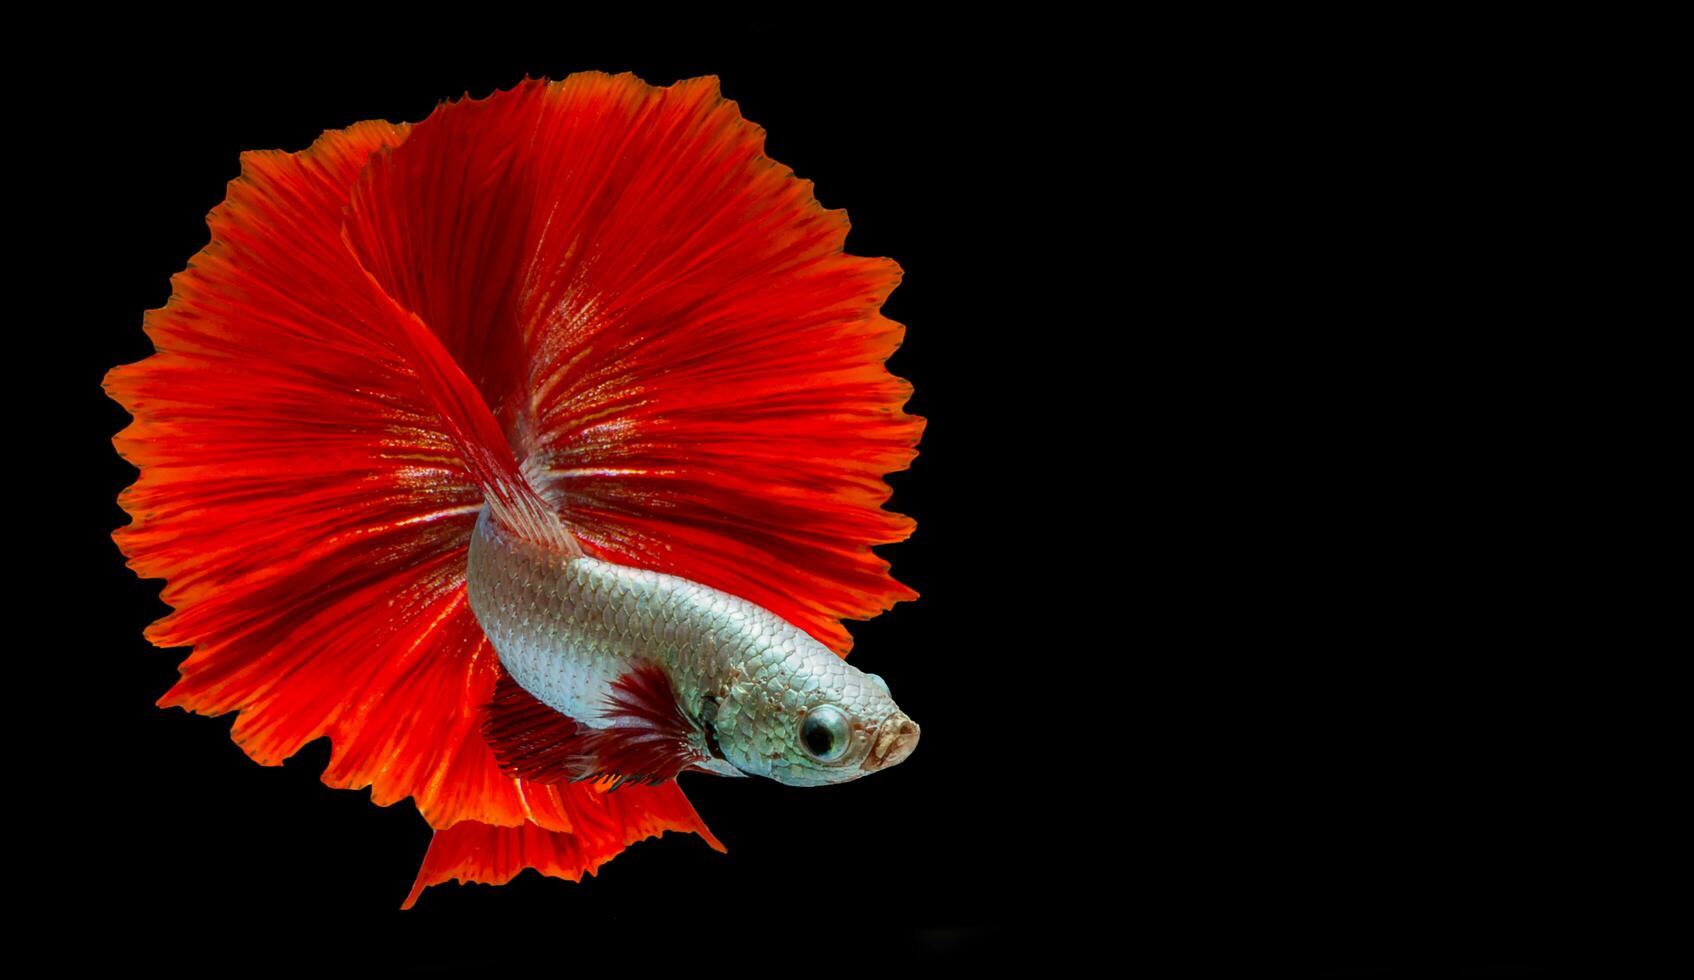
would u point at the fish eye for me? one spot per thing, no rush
(825, 733)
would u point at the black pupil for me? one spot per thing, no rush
(820, 738)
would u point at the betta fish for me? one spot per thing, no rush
(533, 454)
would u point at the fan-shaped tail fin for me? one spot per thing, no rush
(306, 492)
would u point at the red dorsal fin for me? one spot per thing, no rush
(650, 738)
(462, 416)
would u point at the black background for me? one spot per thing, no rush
(1242, 642)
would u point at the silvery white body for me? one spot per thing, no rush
(567, 627)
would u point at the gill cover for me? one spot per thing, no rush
(810, 719)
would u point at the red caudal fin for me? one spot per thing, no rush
(591, 300)
(310, 512)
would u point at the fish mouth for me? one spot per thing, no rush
(893, 741)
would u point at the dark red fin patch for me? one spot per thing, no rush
(650, 740)
(530, 740)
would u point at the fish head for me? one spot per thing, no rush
(826, 722)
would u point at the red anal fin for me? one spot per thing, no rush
(530, 740)
(473, 851)
(650, 739)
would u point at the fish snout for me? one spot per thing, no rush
(893, 741)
